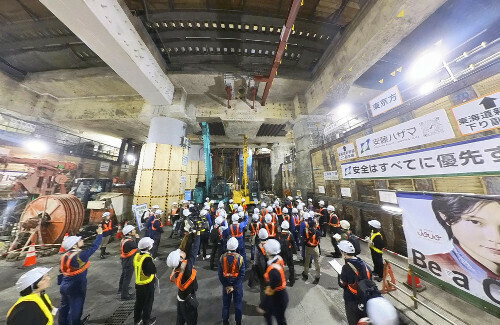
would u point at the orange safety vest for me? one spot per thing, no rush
(107, 226)
(354, 287)
(129, 254)
(174, 211)
(254, 228)
(262, 249)
(313, 242)
(271, 232)
(336, 225)
(244, 207)
(67, 269)
(287, 238)
(296, 220)
(286, 217)
(153, 224)
(234, 271)
(176, 277)
(278, 265)
(290, 206)
(279, 211)
(238, 232)
(263, 212)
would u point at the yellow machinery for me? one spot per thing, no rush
(244, 193)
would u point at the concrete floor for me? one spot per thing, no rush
(309, 304)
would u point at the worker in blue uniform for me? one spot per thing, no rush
(128, 250)
(156, 231)
(73, 278)
(231, 274)
(149, 220)
(288, 248)
(295, 217)
(236, 230)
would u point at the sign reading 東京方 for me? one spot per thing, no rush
(331, 175)
(478, 115)
(388, 100)
(425, 129)
(346, 152)
(474, 156)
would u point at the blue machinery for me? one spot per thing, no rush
(208, 158)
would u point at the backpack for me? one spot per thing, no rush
(355, 242)
(214, 235)
(367, 289)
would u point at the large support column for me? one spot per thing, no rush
(195, 167)
(278, 153)
(162, 170)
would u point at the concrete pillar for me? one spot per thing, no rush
(196, 166)
(162, 170)
(278, 153)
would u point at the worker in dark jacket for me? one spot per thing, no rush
(34, 306)
(231, 274)
(128, 250)
(323, 218)
(353, 270)
(73, 278)
(148, 219)
(334, 225)
(376, 243)
(260, 263)
(156, 231)
(184, 276)
(287, 250)
(107, 231)
(276, 298)
(236, 230)
(145, 272)
(312, 238)
(216, 235)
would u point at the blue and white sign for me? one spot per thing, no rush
(386, 101)
(478, 115)
(346, 152)
(331, 175)
(425, 129)
(139, 210)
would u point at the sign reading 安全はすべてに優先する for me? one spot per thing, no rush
(478, 115)
(346, 152)
(386, 101)
(425, 129)
(453, 247)
(476, 156)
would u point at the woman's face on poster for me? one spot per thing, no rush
(478, 231)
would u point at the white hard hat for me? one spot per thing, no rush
(308, 215)
(175, 203)
(255, 217)
(263, 204)
(207, 199)
(30, 277)
(232, 244)
(321, 202)
(268, 218)
(231, 201)
(285, 210)
(156, 206)
(290, 198)
(285, 225)
(309, 200)
(241, 214)
(184, 202)
(186, 212)
(106, 214)
(381, 312)
(240, 209)
(263, 234)
(375, 224)
(346, 246)
(158, 212)
(294, 210)
(269, 209)
(235, 206)
(331, 208)
(127, 229)
(191, 205)
(300, 207)
(256, 210)
(235, 218)
(243, 200)
(219, 220)
(337, 237)
(71, 241)
(272, 246)
(277, 202)
(203, 212)
(212, 202)
(174, 258)
(145, 243)
(221, 204)
(345, 224)
(222, 213)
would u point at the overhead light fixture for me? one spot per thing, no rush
(426, 63)
(342, 110)
(130, 157)
(393, 209)
(36, 146)
(427, 87)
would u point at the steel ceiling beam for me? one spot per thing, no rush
(30, 44)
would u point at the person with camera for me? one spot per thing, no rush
(145, 271)
(184, 274)
(73, 278)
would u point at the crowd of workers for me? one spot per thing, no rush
(276, 233)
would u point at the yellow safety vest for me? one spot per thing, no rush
(35, 297)
(373, 247)
(140, 277)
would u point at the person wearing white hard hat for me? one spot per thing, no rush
(312, 237)
(270, 226)
(156, 231)
(275, 300)
(128, 246)
(107, 231)
(235, 208)
(175, 214)
(288, 248)
(354, 270)
(295, 225)
(288, 203)
(216, 236)
(260, 264)
(263, 210)
(236, 230)
(73, 278)
(272, 214)
(149, 219)
(145, 272)
(323, 218)
(230, 206)
(376, 243)
(279, 212)
(34, 306)
(256, 211)
(310, 205)
(346, 234)
(205, 233)
(381, 312)
(231, 274)
(254, 227)
(184, 276)
(244, 204)
(334, 227)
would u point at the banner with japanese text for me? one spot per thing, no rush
(425, 129)
(478, 115)
(346, 152)
(386, 101)
(474, 156)
(332, 175)
(454, 238)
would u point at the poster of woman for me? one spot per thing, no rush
(455, 238)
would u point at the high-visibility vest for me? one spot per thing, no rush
(231, 207)
(153, 224)
(254, 228)
(286, 217)
(263, 212)
(279, 211)
(354, 287)
(238, 233)
(262, 249)
(177, 274)
(244, 207)
(313, 241)
(296, 220)
(174, 211)
(129, 254)
(271, 230)
(107, 226)
(278, 265)
(234, 270)
(337, 224)
(287, 234)
(67, 269)
(36, 298)
(140, 277)
(373, 247)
